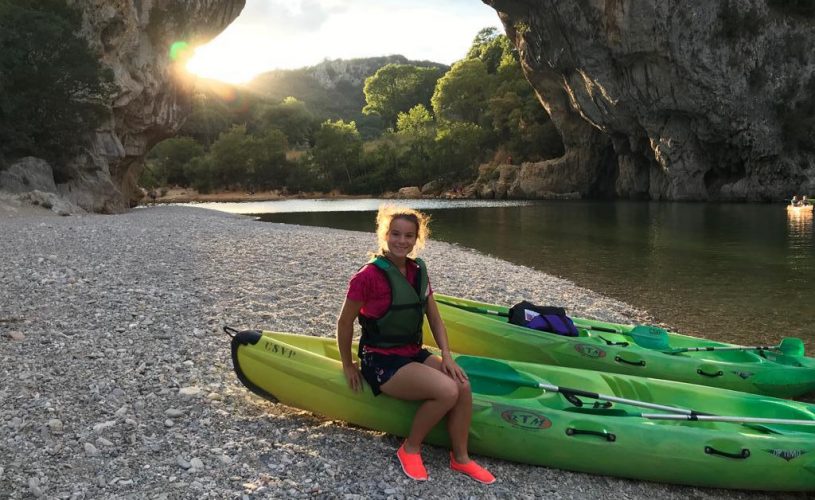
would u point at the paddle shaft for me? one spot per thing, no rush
(720, 418)
(729, 348)
(614, 399)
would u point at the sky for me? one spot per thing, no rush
(288, 34)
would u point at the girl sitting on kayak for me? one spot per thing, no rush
(391, 295)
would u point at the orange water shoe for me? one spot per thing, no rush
(473, 470)
(412, 464)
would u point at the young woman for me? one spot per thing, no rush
(391, 295)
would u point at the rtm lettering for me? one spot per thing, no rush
(525, 419)
(277, 349)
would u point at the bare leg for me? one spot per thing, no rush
(416, 381)
(458, 420)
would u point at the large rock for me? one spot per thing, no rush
(133, 39)
(671, 99)
(28, 174)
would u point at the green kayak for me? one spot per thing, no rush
(580, 420)
(483, 329)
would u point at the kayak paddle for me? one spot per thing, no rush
(491, 376)
(789, 346)
(495, 377)
(717, 418)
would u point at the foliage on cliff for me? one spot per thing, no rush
(52, 87)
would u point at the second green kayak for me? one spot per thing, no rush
(483, 329)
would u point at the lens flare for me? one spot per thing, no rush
(179, 51)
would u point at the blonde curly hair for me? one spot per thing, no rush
(388, 213)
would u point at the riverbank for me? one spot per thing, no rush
(118, 380)
(189, 195)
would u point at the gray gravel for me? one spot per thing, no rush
(117, 381)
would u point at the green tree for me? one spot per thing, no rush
(168, 158)
(232, 158)
(267, 160)
(201, 173)
(462, 93)
(337, 151)
(396, 88)
(208, 119)
(52, 88)
(417, 132)
(293, 118)
(416, 121)
(457, 150)
(491, 47)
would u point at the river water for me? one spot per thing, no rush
(738, 272)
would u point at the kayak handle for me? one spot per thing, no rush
(608, 436)
(230, 331)
(711, 375)
(709, 450)
(634, 363)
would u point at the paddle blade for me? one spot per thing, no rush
(650, 337)
(792, 346)
(493, 377)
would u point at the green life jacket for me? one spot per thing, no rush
(402, 323)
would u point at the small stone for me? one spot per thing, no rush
(174, 413)
(196, 463)
(34, 487)
(182, 463)
(225, 459)
(214, 396)
(121, 411)
(189, 392)
(104, 425)
(91, 450)
(168, 423)
(55, 425)
(103, 442)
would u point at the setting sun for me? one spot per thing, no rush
(284, 35)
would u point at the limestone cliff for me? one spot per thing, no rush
(670, 99)
(133, 38)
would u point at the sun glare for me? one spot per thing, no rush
(224, 63)
(293, 37)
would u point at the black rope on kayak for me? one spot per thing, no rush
(572, 399)
(230, 331)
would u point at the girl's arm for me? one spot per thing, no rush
(345, 335)
(448, 365)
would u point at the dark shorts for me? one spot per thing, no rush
(379, 368)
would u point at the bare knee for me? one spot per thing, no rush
(448, 392)
(464, 389)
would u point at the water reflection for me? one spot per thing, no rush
(799, 235)
(799, 224)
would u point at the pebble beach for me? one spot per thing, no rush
(117, 380)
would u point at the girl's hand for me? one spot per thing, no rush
(449, 366)
(353, 376)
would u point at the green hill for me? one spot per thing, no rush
(331, 89)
